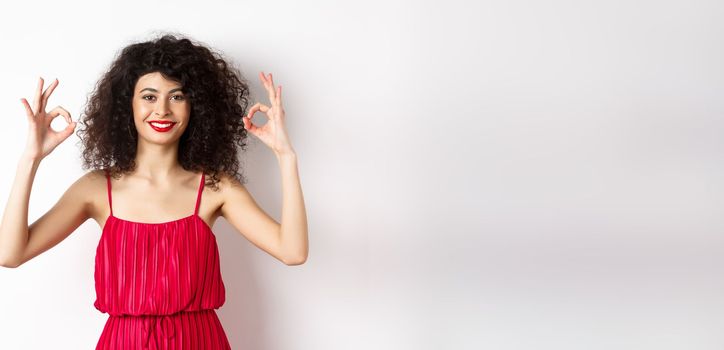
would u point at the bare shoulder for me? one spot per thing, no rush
(233, 195)
(229, 186)
(227, 181)
(235, 198)
(83, 188)
(93, 187)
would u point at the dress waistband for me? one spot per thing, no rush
(163, 322)
(149, 326)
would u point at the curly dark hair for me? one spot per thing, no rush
(217, 92)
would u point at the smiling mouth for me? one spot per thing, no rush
(162, 126)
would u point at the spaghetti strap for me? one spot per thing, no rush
(110, 200)
(137, 261)
(198, 196)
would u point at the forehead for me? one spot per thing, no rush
(155, 80)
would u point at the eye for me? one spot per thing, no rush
(144, 97)
(179, 97)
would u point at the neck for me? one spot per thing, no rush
(158, 162)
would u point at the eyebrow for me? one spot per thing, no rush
(154, 90)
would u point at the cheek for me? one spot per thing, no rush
(182, 112)
(141, 110)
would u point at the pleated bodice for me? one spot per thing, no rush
(157, 268)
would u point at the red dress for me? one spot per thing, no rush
(160, 283)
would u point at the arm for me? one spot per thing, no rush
(287, 242)
(14, 226)
(294, 236)
(20, 242)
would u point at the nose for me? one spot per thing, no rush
(161, 109)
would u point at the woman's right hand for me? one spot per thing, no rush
(42, 139)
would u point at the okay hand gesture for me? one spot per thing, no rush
(273, 133)
(42, 139)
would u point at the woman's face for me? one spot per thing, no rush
(156, 98)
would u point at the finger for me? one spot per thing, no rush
(57, 111)
(257, 107)
(49, 91)
(28, 110)
(269, 86)
(248, 125)
(262, 77)
(60, 136)
(273, 96)
(36, 99)
(65, 133)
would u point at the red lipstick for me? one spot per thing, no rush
(160, 128)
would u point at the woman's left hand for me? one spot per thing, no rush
(273, 133)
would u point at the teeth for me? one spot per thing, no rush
(161, 125)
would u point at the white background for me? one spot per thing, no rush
(478, 175)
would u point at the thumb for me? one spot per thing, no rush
(68, 130)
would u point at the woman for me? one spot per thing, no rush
(162, 129)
